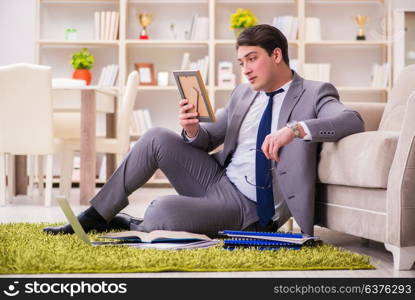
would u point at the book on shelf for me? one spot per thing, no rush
(380, 74)
(312, 29)
(185, 61)
(147, 119)
(199, 28)
(141, 122)
(288, 25)
(97, 25)
(102, 21)
(111, 30)
(106, 25)
(116, 26)
(318, 72)
(192, 25)
(201, 64)
(108, 76)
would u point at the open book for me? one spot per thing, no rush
(157, 236)
(175, 246)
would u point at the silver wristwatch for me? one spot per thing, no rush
(293, 125)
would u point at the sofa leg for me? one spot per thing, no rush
(403, 257)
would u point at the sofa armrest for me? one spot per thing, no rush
(359, 160)
(370, 112)
(401, 184)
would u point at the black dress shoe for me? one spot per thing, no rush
(88, 223)
(123, 221)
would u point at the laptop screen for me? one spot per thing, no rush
(67, 210)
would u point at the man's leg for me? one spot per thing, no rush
(222, 207)
(190, 170)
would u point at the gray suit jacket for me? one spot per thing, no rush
(317, 105)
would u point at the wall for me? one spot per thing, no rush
(406, 4)
(17, 31)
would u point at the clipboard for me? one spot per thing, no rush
(192, 88)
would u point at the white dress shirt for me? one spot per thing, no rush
(243, 159)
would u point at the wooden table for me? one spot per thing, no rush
(88, 109)
(88, 140)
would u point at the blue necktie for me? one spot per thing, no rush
(264, 195)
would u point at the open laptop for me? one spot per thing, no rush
(80, 232)
(77, 228)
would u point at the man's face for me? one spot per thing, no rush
(259, 68)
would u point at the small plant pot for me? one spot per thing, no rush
(82, 74)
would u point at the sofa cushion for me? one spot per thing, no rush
(362, 159)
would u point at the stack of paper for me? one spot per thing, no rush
(106, 25)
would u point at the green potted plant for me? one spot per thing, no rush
(241, 19)
(82, 62)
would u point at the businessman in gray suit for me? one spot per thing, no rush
(270, 130)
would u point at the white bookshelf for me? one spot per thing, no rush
(77, 43)
(351, 61)
(403, 39)
(348, 43)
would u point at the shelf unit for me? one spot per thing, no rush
(350, 60)
(403, 39)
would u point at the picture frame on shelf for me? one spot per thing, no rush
(146, 73)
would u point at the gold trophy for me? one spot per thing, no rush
(360, 21)
(145, 20)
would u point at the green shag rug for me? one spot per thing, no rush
(25, 249)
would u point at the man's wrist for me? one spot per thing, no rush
(190, 135)
(302, 131)
(297, 129)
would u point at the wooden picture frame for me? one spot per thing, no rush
(145, 73)
(192, 88)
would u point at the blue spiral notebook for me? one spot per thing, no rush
(258, 244)
(265, 240)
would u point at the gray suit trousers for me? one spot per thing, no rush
(207, 200)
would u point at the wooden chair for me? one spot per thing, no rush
(119, 145)
(26, 123)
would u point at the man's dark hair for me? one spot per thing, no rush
(265, 36)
